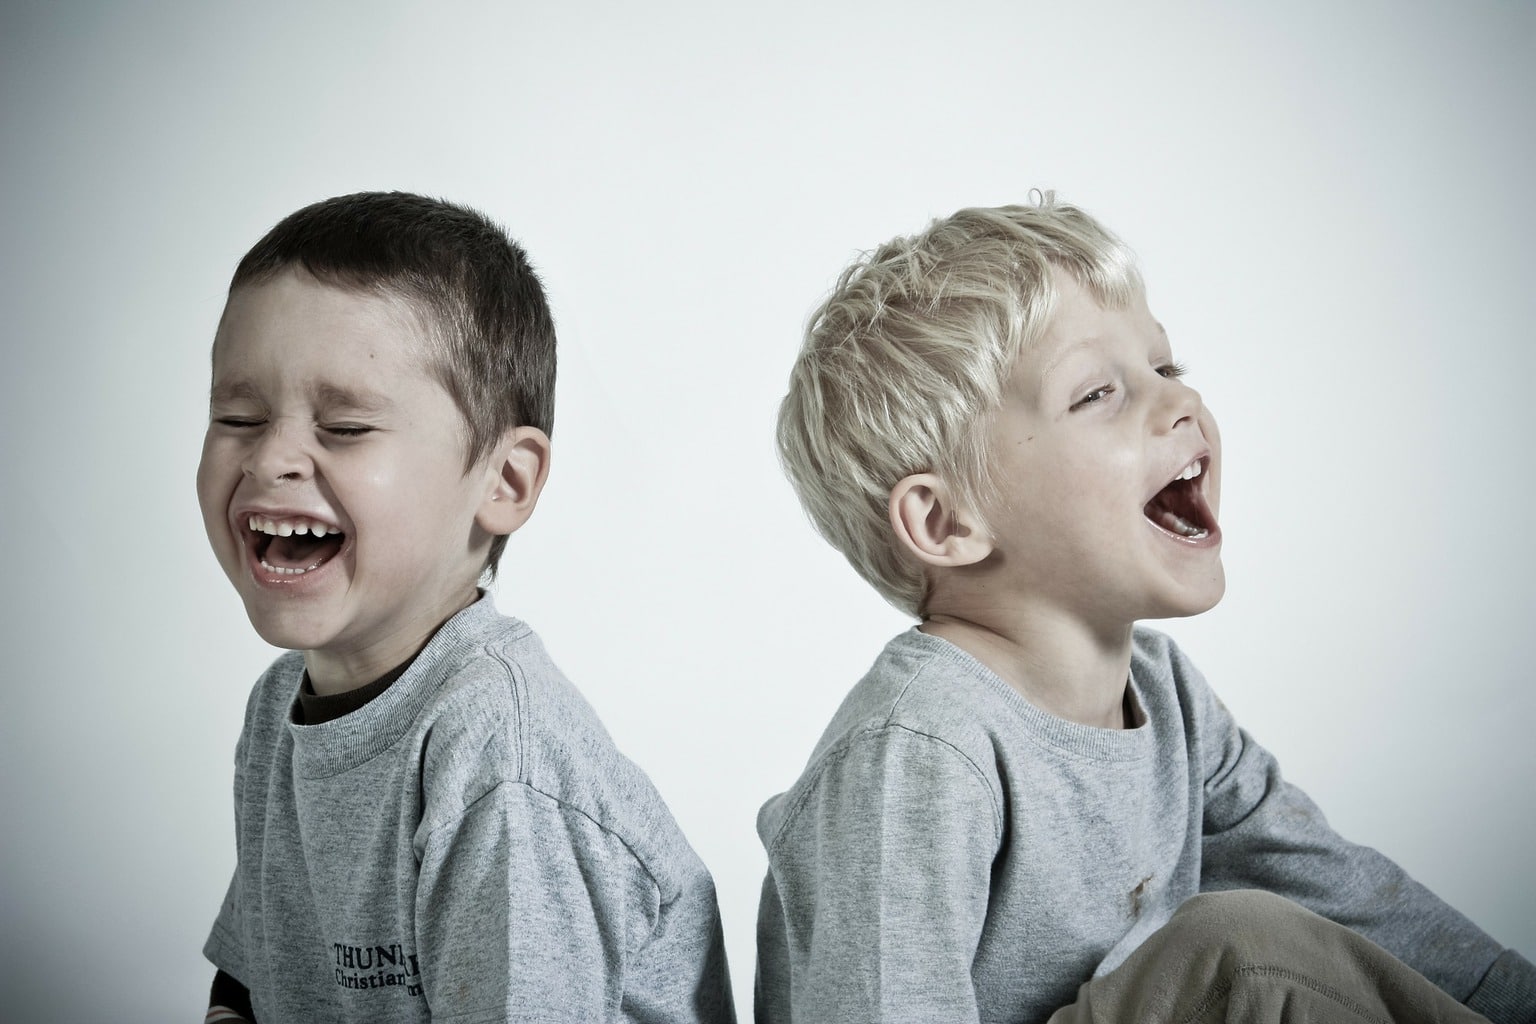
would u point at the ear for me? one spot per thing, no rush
(931, 525)
(516, 472)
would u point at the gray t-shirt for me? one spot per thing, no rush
(952, 852)
(468, 846)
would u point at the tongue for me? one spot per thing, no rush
(1176, 510)
(301, 551)
(1174, 523)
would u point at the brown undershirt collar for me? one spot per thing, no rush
(314, 709)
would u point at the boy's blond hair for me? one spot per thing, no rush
(905, 362)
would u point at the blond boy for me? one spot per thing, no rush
(1028, 790)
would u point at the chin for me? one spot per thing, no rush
(290, 632)
(1192, 600)
(1209, 596)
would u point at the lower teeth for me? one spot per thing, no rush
(1187, 528)
(281, 571)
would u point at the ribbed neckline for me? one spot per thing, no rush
(344, 743)
(1070, 737)
(315, 709)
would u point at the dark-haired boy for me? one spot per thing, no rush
(1031, 807)
(431, 823)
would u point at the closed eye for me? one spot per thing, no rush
(237, 422)
(346, 429)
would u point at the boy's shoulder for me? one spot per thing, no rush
(937, 700)
(1156, 652)
(505, 714)
(925, 684)
(483, 706)
(1169, 685)
(923, 701)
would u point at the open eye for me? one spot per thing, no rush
(1172, 370)
(1098, 394)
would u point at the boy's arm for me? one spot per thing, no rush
(878, 886)
(528, 909)
(1261, 832)
(228, 999)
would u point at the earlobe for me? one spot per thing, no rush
(932, 527)
(517, 470)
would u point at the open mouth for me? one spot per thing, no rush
(293, 546)
(1180, 509)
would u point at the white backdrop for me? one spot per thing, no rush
(1332, 202)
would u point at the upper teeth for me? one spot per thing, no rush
(1192, 471)
(289, 527)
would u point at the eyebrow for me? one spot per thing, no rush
(1064, 354)
(327, 396)
(239, 391)
(1088, 342)
(331, 396)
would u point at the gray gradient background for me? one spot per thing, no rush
(1332, 202)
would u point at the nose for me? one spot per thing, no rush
(1177, 403)
(278, 455)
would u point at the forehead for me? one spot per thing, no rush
(1080, 324)
(296, 323)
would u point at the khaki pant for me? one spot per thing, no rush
(1257, 958)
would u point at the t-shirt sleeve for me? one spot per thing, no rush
(224, 948)
(1261, 832)
(878, 886)
(527, 909)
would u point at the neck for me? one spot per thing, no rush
(1059, 664)
(339, 671)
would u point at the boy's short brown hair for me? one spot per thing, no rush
(479, 301)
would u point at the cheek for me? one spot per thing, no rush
(1213, 436)
(387, 499)
(213, 494)
(208, 481)
(380, 494)
(1101, 478)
